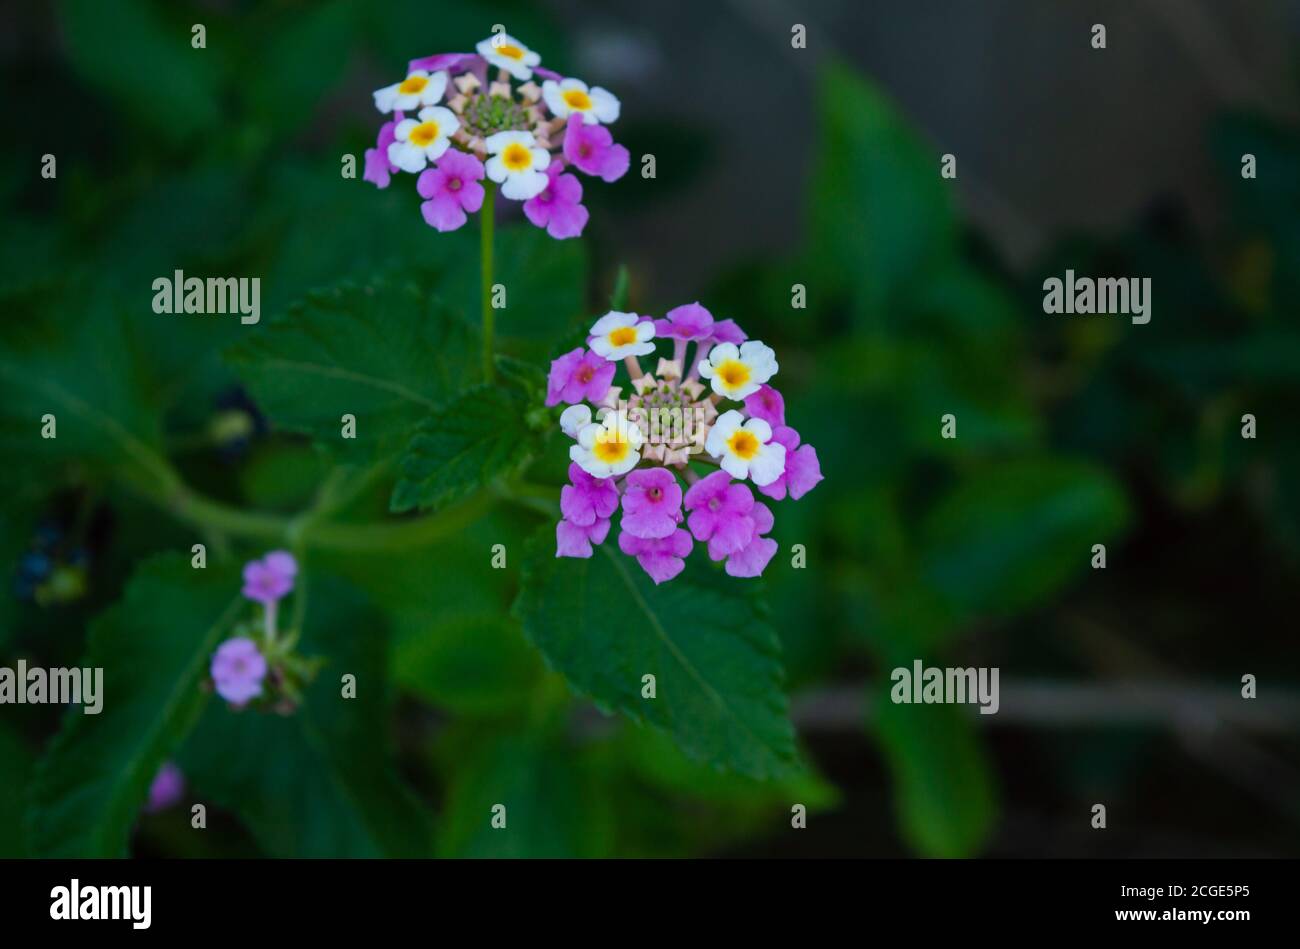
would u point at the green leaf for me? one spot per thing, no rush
(371, 231)
(145, 63)
(479, 437)
(943, 785)
(603, 624)
(471, 663)
(320, 782)
(382, 353)
(306, 53)
(654, 759)
(81, 365)
(545, 282)
(1012, 535)
(454, 644)
(21, 503)
(880, 211)
(545, 787)
(670, 806)
(153, 648)
(618, 297)
(16, 767)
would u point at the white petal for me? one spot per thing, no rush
(768, 464)
(496, 169)
(385, 97)
(726, 424)
(406, 156)
(734, 466)
(588, 434)
(433, 151)
(722, 352)
(574, 419)
(586, 461)
(525, 185)
(604, 105)
(499, 141)
(759, 429)
(446, 119)
(554, 100)
(626, 465)
(541, 158)
(436, 87)
(612, 321)
(403, 129)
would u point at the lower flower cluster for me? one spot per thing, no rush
(670, 457)
(257, 664)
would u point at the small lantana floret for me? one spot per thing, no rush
(418, 141)
(744, 448)
(417, 90)
(505, 52)
(517, 164)
(736, 372)
(572, 97)
(617, 335)
(608, 448)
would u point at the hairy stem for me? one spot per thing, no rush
(308, 530)
(486, 221)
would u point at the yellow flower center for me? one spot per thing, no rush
(510, 50)
(517, 157)
(577, 99)
(743, 444)
(413, 85)
(733, 373)
(424, 133)
(611, 452)
(623, 336)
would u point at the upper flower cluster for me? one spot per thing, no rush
(468, 125)
(630, 453)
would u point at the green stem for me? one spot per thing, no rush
(306, 532)
(485, 253)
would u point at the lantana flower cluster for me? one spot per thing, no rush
(257, 663)
(460, 117)
(640, 450)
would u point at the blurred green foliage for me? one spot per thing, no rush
(474, 682)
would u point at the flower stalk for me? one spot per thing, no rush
(486, 221)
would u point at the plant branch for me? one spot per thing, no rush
(486, 222)
(1185, 707)
(307, 530)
